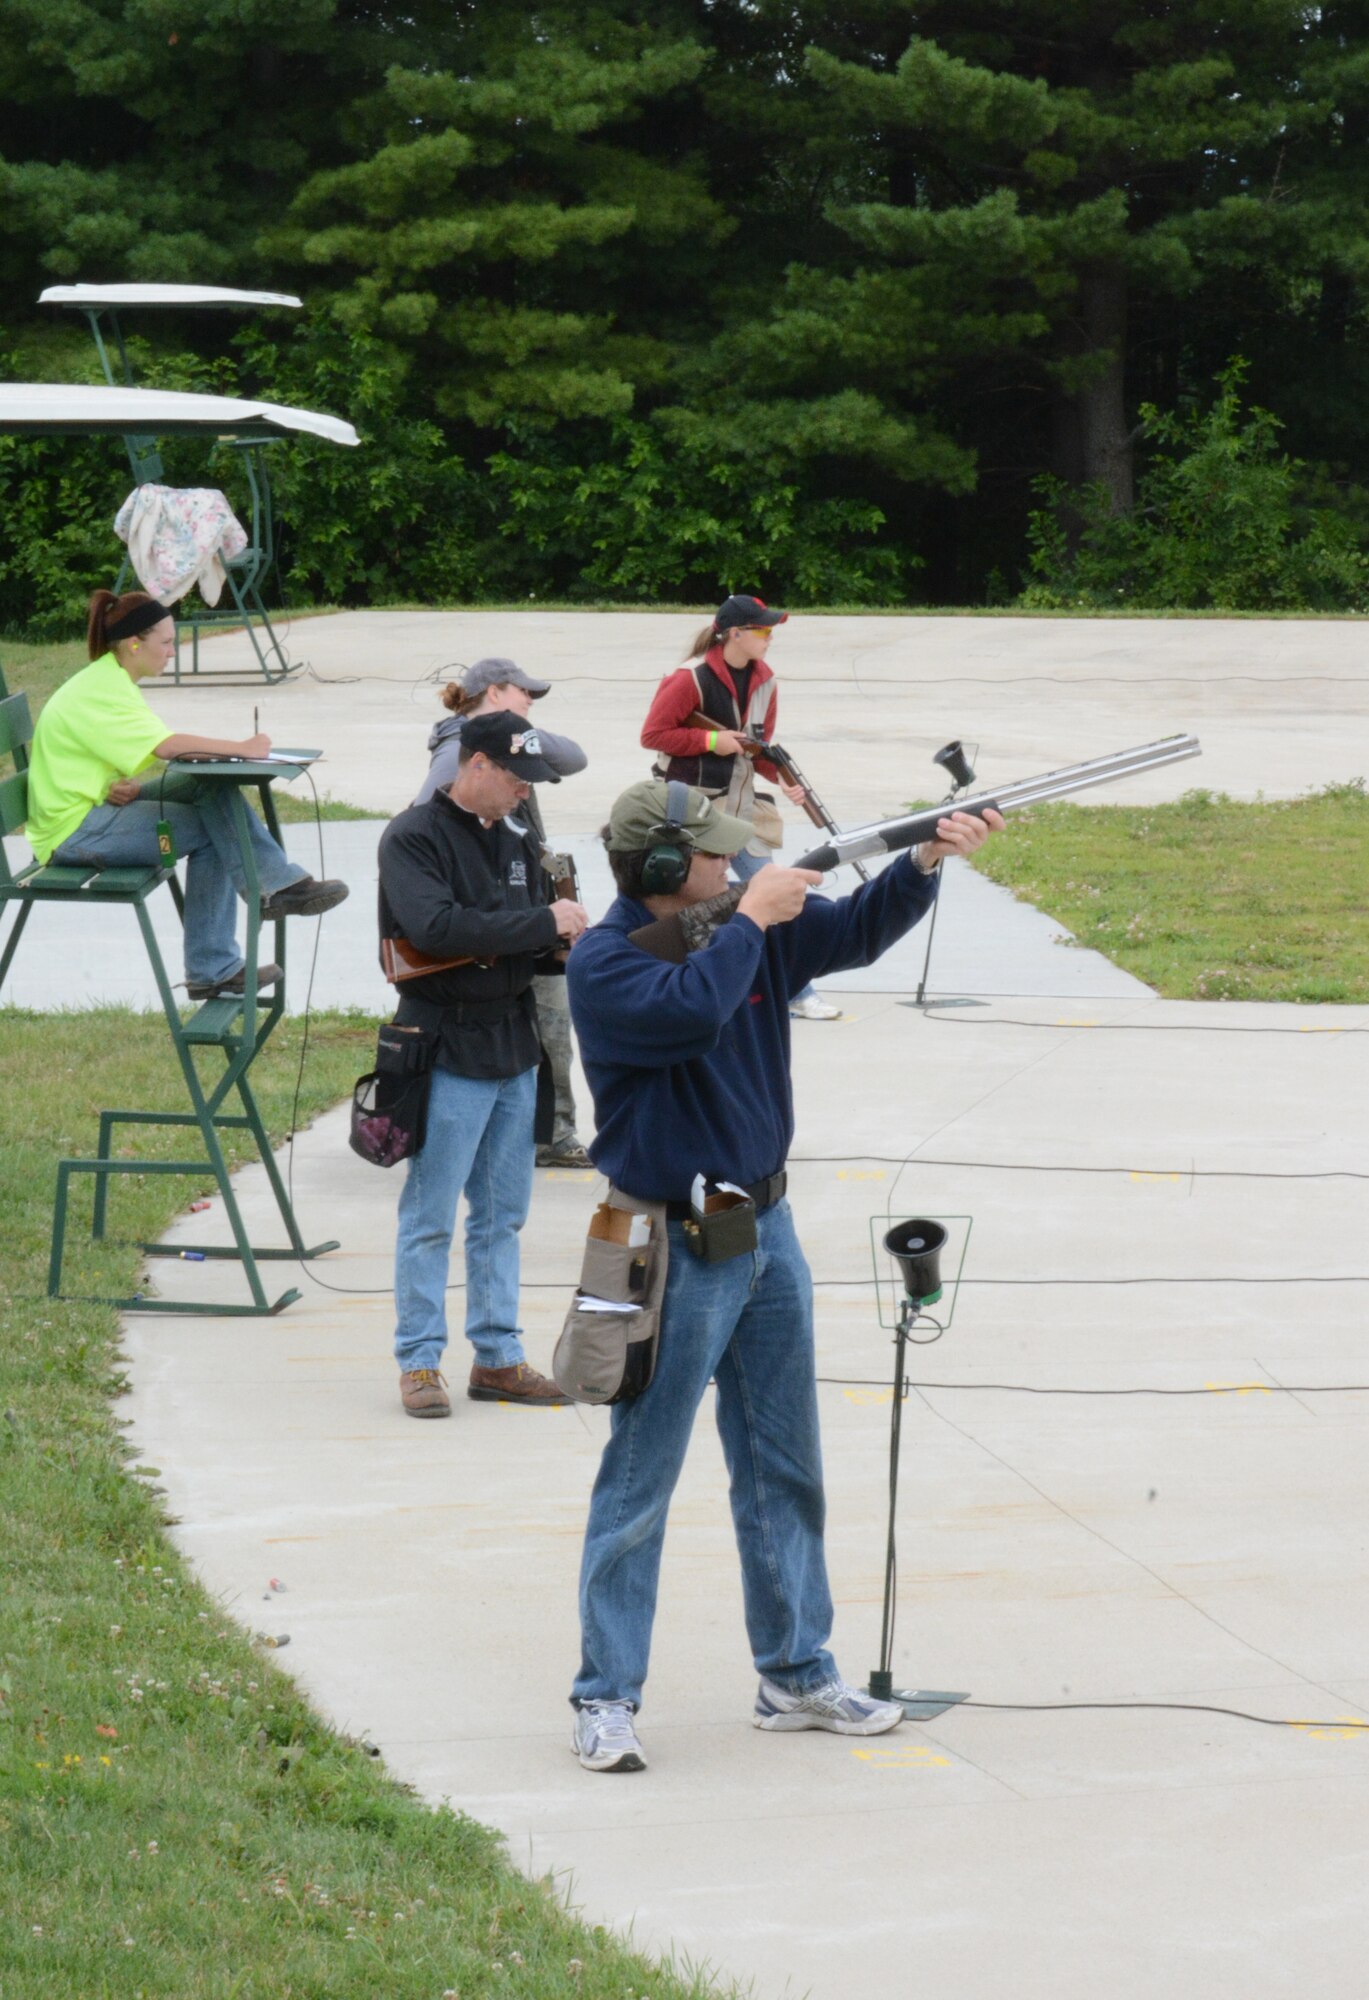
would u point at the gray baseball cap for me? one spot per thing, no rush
(500, 673)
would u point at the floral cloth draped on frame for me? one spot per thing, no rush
(178, 536)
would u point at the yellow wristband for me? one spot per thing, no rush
(712, 739)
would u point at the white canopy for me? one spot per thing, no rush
(160, 295)
(31, 407)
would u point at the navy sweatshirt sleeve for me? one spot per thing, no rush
(689, 1064)
(857, 929)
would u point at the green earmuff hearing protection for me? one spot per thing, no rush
(670, 848)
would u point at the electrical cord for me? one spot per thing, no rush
(929, 1013)
(926, 680)
(1180, 1707)
(1070, 680)
(1045, 1389)
(304, 1033)
(1033, 1167)
(1316, 1278)
(428, 678)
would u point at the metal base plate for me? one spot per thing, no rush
(943, 1000)
(921, 1704)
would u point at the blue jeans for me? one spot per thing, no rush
(749, 1323)
(205, 834)
(744, 866)
(479, 1142)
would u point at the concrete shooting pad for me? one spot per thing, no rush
(1166, 1197)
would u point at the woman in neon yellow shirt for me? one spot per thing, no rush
(92, 801)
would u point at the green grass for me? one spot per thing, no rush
(38, 670)
(175, 1822)
(296, 808)
(1209, 898)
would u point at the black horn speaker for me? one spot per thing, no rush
(916, 1248)
(955, 764)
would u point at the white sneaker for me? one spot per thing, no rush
(813, 1009)
(604, 1739)
(831, 1705)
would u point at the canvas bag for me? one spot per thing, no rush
(605, 1356)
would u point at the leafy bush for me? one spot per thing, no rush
(623, 512)
(609, 509)
(1221, 521)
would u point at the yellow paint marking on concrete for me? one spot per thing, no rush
(1334, 1735)
(862, 1397)
(907, 1757)
(861, 1174)
(1155, 1177)
(1242, 1388)
(1062, 1022)
(282, 1541)
(1310, 1030)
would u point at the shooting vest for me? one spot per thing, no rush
(730, 780)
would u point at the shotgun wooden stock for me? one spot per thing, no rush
(400, 960)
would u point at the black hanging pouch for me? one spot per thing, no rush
(390, 1103)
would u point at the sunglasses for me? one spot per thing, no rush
(764, 630)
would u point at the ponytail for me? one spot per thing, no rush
(455, 698)
(105, 610)
(708, 637)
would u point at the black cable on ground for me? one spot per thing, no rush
(1045, 1389)
(1318, 1278)
(1180, 1707)
(929, 1013)
(304, 1041)
(1033, 1167)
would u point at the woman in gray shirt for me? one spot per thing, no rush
(493, 684)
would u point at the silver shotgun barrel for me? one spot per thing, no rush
(888, 836)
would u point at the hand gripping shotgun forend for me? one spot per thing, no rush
(673, 938)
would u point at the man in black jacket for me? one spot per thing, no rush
(460, 883)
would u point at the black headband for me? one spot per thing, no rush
(140, 619)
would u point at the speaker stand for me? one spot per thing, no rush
(919, 1704)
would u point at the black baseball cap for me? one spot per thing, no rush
(746, 611)
(511, 741)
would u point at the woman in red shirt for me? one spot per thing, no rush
(728, 679)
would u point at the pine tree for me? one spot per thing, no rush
(523, 218)
(147, 140)
(1024, 207)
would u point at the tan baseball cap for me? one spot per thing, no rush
(639, 817)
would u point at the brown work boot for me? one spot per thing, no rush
(519, 1384)
(423, 1393)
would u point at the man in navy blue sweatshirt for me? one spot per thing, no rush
(688, 1063)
